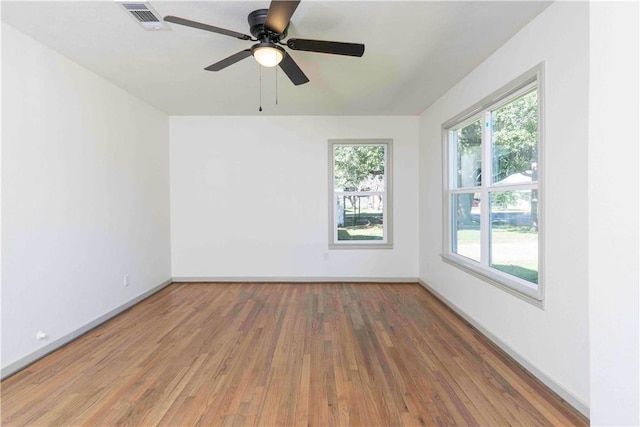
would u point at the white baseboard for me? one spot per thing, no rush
(54, 345)
(317, 279)
(569, 397)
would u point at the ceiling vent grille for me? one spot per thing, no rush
(144, 14)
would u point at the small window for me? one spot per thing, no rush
(492, 209)
(360, 194)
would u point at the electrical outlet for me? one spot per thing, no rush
(325, 256)
(126, 280)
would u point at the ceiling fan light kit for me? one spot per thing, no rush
(269, 27)
(267, 54)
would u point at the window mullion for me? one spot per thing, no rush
(485, 216)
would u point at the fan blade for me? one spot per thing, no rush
(292, 70)
(279, 14)
(201, 26)
(229, 61)
(336, 48)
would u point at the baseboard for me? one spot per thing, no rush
(54, 345)
(292, 279)
(565, 394)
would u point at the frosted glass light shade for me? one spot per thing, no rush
(268, 56)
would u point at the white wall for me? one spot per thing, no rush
(85, 181)
(249, 197)
(85, 196)
(614, 191)
(553, 341)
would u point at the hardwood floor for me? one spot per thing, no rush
(282, 354)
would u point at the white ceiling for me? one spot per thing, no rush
(415, 51)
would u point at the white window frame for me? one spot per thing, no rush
(519, 287)
(387, 206)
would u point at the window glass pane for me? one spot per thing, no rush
(359, 217)
(514, 233)
(468, 155)
(514, 141)
(466, 225)
(359, 168)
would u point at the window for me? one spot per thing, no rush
(492, 210)
(360, 194)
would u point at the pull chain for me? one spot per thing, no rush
(260, 78)
(260, 90)
(276, 85)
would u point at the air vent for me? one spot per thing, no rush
(144, 14)
(135, 6)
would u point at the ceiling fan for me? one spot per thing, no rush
(269, 29)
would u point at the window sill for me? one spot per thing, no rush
(519, 288)
(360, 245)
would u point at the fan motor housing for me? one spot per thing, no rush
(256, 19)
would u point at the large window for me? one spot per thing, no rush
(360, 194)
(492, 210)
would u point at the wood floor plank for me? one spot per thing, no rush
(282, 354)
